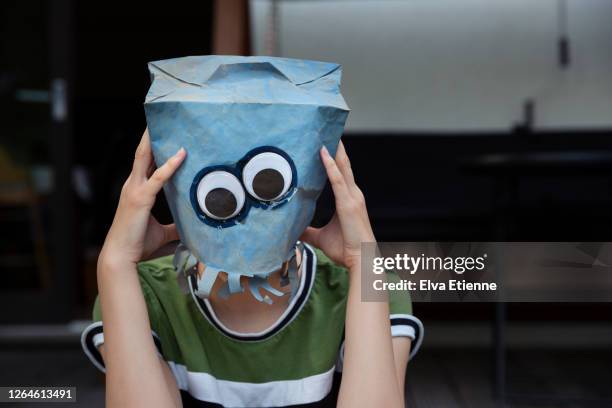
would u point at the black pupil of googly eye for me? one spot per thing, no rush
(268, 184)
(220, 202)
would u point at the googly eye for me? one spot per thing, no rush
(220, 195)
(267, 176)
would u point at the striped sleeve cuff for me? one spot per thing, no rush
(93, 337)
(402, 325)
(405, 325)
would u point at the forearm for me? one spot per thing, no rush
(369, 374)
(134, 372)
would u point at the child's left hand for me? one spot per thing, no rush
(341, 238)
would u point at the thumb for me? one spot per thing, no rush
(170, 233)
(311, 236)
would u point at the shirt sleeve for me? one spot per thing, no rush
(93, 335)
(403, 322)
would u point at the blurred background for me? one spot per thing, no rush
(471, 120)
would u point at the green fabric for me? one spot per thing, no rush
(399, 301)
(307, 346)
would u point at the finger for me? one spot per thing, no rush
(143, 157)
(336, 179)
(311, 236)
(344, 164)
(163, 173)
(170, 233)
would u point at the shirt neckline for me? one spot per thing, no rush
(295, 306)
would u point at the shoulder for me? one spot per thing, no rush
(158, 268)
(331, 279)
(334, 276)
(161, 289)
(157, 273)
(332, 290)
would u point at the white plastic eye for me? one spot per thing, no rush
(220, 195)
(267, 176)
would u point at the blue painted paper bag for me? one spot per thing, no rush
(252, 128)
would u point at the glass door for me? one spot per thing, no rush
(37, 246)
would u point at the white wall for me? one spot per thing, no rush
(453, 64)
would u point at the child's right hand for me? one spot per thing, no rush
(135, 233)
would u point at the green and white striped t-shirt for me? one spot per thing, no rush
(295, 362)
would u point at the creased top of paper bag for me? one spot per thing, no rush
(236, 79)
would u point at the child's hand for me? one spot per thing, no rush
(135, 233)
(341, 238)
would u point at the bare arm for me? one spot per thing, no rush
(168, 376)
(135, 375)
(401, 354)
(372, 371)
(369, 374)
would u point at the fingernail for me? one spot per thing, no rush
(325, 151)
(178, 156)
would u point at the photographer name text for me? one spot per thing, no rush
(407, 264)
